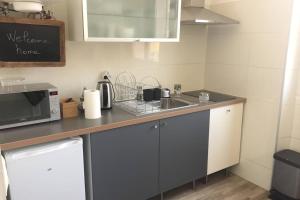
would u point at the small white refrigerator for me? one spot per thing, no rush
(53, 171)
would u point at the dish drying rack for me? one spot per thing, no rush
(126, 94)
(126, 86)
(139, 108)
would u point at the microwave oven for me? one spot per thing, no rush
(27, 104)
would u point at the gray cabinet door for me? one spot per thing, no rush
(125, 163)
(183, 149)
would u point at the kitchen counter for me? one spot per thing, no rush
(115, 118)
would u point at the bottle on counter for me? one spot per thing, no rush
(80, 105)
(139, 95)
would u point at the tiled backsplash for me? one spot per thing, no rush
(178, 63)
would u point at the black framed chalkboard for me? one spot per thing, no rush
(31, 42)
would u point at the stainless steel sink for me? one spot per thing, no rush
(172, 104)
(140, 108)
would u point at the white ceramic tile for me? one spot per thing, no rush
(189, 76)
(264, 83)
(268, 50)
(259, 131)
(254, 173)
(229, 48)
(226, 78)
(232, 10)
(286, 121)
(215, 2)
(290, 86)
(258, 15)
(191, 49)
(266, 15)
(297, 95)
(295, 144)
(294, 51)
(191, 30)
(296, 123)
(283, 143)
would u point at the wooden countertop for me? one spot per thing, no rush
(115, 118)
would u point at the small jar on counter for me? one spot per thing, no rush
(139, 95)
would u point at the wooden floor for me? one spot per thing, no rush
(219, 187)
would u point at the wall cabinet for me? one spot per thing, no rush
(183, 149)
(124, 20)
(124, 163)
(224, 137)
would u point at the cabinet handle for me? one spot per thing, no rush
(228, 110)
(163, 124)
(155, 127)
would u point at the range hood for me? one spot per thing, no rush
(194, 12)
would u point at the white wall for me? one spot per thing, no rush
(248, 60)
(182, 62)
(2, 182)
(289, 135)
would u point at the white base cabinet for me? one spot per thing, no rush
(224, 137)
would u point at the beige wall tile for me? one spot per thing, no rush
(258, 16)
(290, 86)
(286, 121)
(283, 143)
(259, 131)
(227, 48)
(255, 173)
(268, 50)
(226, 78)
(266, 15)
(295, 144)
(296, 123)
(264, 83)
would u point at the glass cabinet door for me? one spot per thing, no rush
(129, 20)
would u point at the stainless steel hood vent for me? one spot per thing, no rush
(193, 12)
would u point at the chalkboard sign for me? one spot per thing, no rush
(31, 42)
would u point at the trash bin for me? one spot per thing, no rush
(286, 176)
